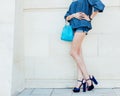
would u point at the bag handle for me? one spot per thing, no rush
(67, 23)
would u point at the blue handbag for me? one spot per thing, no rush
(67, 33)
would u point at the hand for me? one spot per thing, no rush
(70, 17)
(84, 16)
(75, 15)
(78, 15)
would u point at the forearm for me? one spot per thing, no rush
(70, 17)
(80, 16)
(94, 14)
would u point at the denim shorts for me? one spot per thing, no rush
(81, 29)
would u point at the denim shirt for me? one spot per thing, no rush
(86, 6)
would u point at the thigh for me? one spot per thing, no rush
(77, 40)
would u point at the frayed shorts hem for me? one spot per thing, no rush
(81, 29)
(86, 32)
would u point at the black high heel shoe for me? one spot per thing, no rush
(93, 79)
(91, 87)
(83, 83)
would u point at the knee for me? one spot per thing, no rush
(74, 53)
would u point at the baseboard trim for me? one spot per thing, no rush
(68, 83)
(17, 92)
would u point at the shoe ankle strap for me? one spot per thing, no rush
(82, 81)
(89, 78)
(79, 80)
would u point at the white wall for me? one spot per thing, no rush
(47, 60)
(38, 56)
(11, 47)
(7, 12)
(28, 4)
(18, 64)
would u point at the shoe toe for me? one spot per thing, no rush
(76, 89)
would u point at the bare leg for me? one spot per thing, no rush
(79, 76)
(82, 61)
(76, 54)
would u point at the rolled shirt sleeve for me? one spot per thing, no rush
(67, 14)
(97, 5)
(69, 11)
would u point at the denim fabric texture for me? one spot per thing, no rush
(85, 6)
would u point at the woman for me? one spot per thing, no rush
(80, 14)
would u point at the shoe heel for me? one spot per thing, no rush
(94, 80)
(84, 86)
(78, 89)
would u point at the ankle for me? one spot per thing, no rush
(89, 83)
(87, 77)
(79, 82)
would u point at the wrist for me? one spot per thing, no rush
(73, 15)
(90, 18)
(68, 18)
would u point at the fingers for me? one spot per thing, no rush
(81, 15)
(84, 16)
(78, 15)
